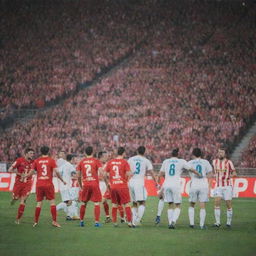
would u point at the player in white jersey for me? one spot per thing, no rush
(61, 158)
(172, 168)
(199, 188)
(140, 166)
(224, 171)
(65, 171)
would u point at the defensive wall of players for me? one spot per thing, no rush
(244, 185)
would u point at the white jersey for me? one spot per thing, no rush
(139, 165)
(173, 168)
(203, 167)
(65, 171)
(60, 162)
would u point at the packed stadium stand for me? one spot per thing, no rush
(249, 155)
(191, 81)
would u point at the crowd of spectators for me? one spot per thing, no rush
(192, 84)
(249, 155)
(50, 47)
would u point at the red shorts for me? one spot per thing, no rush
(91, 193)
(120, 195)
(46, 191)
(21, 189)
(107, 194)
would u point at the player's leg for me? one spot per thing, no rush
(106, 209)
(218, 194)
(141, 210)
(229, 213)
(85, 196)
(82, 213)
(202, 215)
(170, 212)
(69, 209)
(134, 212)
(15, 193)
(191, 209)
(114, 213)
(203, 198)
(160, 206)
(97, 213)
(121, 212)
(37, 212)
(54, 213)
(191, 214)
(40, 193)
(125, 201)
(128, 213)
(217, 203)
(176, 199)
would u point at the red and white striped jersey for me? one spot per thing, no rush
(222, 170)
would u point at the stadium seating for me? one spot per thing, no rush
(190, 85)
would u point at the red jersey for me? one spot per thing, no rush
(23, 166)
(44, 167)
(223, 170)
(89, 168)
(117, 169)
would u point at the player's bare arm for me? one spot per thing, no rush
(195, 172)
(79, 179)
(59, 176)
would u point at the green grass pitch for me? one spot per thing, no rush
(71, 240)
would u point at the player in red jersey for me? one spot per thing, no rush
(103, 156)
(22, 185)
(88, 172)
(45, 167)
(118, 172)
(223, 171)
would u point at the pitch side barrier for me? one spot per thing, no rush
(244, 186)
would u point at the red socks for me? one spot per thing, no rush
(82, 212)
(106, 208)
(54, 212)
(114, 214)
(20, 211)
(121, 211)
(37, 214)
(128, 213)
(97, 213)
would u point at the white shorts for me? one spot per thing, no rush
(103, 187)
(138, 193)
(172, 195)
(223, 192)
(198, 194)
(74, 193)
(65, 195)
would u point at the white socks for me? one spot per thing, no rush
(229, 216)
(141, 210)
(191, 215)
(217, 215)
(170, 213)
(202, 217)
(176, 214)
(160, 207)
(134, 215)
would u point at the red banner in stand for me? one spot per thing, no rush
(243, 186)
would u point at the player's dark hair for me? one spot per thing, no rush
(70, 157)
(44, 150)
(120, 151)
(197, 152)
(141, 150)
(89, 151)
(226, 151)
(101, 153)
(175, 152)
(28, 150)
